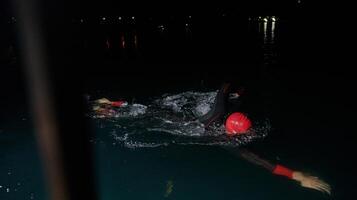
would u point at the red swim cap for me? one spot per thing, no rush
(237, 123)
(118, 103)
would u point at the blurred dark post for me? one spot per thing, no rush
(47, 54)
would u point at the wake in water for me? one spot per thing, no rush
(172, 119)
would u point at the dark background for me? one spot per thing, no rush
(313, 45)
(312, 81)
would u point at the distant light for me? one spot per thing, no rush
(108, 44)
(298, 1)
(122, 41)
(249, 18)
(265, 32)
(119, 18)
(273, 29)
(186, 24)
(223, 15)
(136, 41)
(81, 20)
(190, 16)
(133, 18)
(103, 18)
(161, 27)
(273, 18)
(13, 19)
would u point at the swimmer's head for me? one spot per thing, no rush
(237, 123)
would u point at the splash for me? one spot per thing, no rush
(189, 103)
(171, 120)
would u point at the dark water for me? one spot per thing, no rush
(309, 125)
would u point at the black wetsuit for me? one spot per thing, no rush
(221, 107)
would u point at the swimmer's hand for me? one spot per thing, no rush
(103, 101)
(312, 182)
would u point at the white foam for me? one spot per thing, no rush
(170, 120)
(202, 109)
(137, 109)
(198, 102)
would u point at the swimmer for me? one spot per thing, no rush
(238, 123)
(105, 101)
(103, 107)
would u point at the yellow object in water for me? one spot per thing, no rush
(169, 188)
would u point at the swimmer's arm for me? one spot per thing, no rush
(305, 180)
(103, 101)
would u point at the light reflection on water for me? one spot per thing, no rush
(267, 29)
(121, 40)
